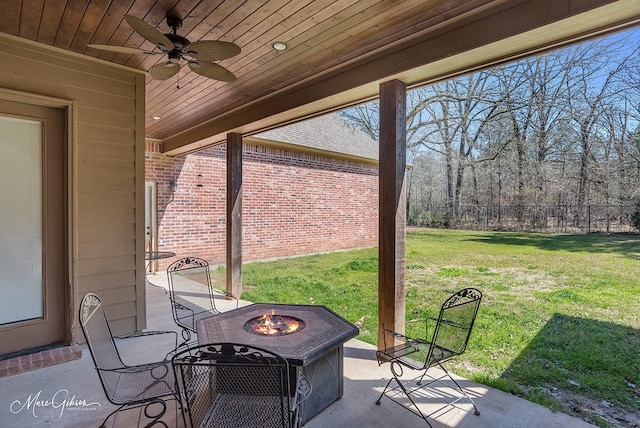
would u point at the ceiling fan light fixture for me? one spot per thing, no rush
(279, 46)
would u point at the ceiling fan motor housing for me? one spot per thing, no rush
(179, 43)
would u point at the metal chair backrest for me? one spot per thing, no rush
(454, 324)
(189, 269)
(181, 276)
(102, 347)
(227, 384)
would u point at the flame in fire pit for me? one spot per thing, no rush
(274, 325)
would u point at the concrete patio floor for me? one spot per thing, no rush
(70, 395)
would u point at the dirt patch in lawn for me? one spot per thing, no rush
(593, 411)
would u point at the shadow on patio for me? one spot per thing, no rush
(69, 394)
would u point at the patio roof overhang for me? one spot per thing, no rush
(506, 31)
(339, 52)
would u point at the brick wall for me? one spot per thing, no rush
(293, 203)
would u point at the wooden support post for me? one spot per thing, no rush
(234, 214)
(392, 212)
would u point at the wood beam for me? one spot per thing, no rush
(393, 212)
(234, 214)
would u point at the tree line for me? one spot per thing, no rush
(555, 130)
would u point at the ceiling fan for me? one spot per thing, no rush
(199, 55)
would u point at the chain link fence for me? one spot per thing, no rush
(545, 218)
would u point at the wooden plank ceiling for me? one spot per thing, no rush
(324, 38)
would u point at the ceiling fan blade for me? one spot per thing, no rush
(212, 50)
(149, 32)
(120, 49)
(164, 70)
(212, 71)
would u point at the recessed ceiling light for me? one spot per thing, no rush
(279, 46)
(155, 117)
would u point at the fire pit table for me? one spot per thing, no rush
(310, 337)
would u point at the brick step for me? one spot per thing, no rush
(36, 360)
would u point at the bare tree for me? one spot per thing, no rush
(595, 68)
(560, 128)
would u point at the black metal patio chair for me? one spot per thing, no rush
(235, 385)
(449, 339)
(187, 305)
(127, 386)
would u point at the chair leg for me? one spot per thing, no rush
(396, 371)
(458, 387)
(383, 391)
(396, 376)
(462, 391)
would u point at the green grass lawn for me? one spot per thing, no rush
(559, 323)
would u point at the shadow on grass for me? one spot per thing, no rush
(571, 357)
(627, 244)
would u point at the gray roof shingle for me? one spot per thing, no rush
(329, 133)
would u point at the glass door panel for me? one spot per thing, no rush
(21, 250)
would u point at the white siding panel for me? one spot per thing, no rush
(112, 135)
(117, 295)
(67, 70)
(90, 203)
(97, 230)
(122, 325)
(109, 150)
(83, 96)
(95, 283)
(106, 265)
(106, 184)
(107, 118)
(108, 248)
(96, 166)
